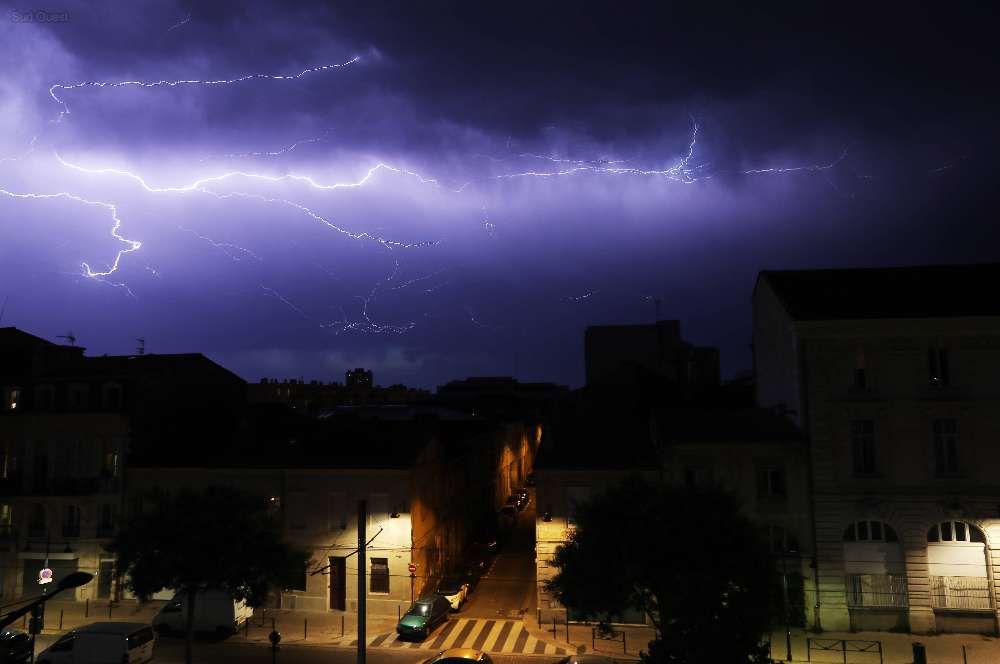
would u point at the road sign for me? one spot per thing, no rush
(45, 576)
(412, 567)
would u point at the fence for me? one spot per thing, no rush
(960, 592)
(876, 590)
(846, 650)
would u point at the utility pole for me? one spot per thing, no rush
(362, 594)
(784, 588)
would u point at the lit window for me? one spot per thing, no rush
(380, 575)
(870, 531)
(13, 398)
(955, 531)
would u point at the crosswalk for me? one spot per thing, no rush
(496, 636)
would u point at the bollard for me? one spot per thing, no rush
(965, 659)
(86, 608)
(399, 613)
(305, 629)
(246, 628)
(341, 625)
(61, 617)
(919, 653)
(109, 610)
(24, 623)
(623, 642)
(567, 628)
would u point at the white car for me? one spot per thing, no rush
(453, 589)
(102, 642)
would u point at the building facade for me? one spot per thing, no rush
(894, 377)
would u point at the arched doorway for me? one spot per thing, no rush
(875, 576)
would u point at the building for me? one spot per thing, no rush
(637, 354)
(501, 396)
(429, 480)
(315, 396)
(69, 426)
(359, 378)
(894, 376)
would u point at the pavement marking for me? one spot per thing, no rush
(497, 636)
(480, 640)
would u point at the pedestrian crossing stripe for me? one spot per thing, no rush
(496, 636)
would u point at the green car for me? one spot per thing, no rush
(423, 616)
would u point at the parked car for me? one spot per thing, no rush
(102, 642)
(530, 479)
(522, 498)
(15, 646)
(588, 658)
(214, 611)
(423, 616)
(478, 557)
(508, 511)
(460, 656)
(454, 589)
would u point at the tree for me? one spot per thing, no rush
(188, 541)
(687, 557)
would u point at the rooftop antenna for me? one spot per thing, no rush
(69, 336)
(4, 307)
(141, 348)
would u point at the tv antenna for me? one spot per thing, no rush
(69, 336)
(141, 348)
(4, 307)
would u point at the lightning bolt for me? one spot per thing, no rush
(224, 246)
(61, 87)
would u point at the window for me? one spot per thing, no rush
(337, 511)
(8, 460)
(296, 513)
(45, 397)
(771, 483)
(870, 531)
(71, 521)
(106, 523)
(937, 366)
(13, 398)
(296, 579)
(36, 522)
(575, 495)
(78, 397)
(6, 520)
(112, 397)
(863, 447)
(860, 377)
(779, 540)
(955, 531)
(380, 575)
(945, 434)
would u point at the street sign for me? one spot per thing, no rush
(412, 567)
(45, 576)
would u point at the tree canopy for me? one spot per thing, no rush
(687, 557)
(218, 538)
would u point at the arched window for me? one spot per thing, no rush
(867, 530)
(955, 531)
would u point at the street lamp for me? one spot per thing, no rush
(788, 549)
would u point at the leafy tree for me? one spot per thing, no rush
(687, 557)
(219, 538)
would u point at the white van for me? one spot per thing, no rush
(214, 611)
(102, 642)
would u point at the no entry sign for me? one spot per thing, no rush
(412, 567)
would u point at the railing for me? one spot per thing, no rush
(846, 650)
(876, 590)
(960, 592)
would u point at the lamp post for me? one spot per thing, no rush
(787, 550)
(71, 580)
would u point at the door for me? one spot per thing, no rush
(338, 583)
(105, 577)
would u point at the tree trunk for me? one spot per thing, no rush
(192, 593)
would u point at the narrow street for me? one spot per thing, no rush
(508, 589)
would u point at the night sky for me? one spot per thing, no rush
(442, 189)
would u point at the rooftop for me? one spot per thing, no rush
(929, 291)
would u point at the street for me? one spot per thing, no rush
(508, 588)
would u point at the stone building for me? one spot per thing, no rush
(69, 424)
(894, 377)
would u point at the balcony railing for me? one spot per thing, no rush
(59, 486)
(960, 592)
